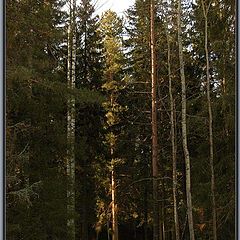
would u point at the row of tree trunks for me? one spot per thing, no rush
(157, 225)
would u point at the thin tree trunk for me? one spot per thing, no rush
(174, 146)
(154, 128)
(84, 216)
(162, 208)
(108, 234)
(145, 200)
(113, 182)
(211, 156)
(184, 129)
(145, 211)
(162, 227)
(71, 124)
(114, 205)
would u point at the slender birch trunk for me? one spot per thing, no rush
(211, 155)
(71, 123)
(184, 129)
(173, 141)
(154, 127)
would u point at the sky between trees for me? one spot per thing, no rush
(118, 6)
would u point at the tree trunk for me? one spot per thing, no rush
(174, 146)
(114, 205)
(145, 211)
(71, 124)
(84, 216)
(211, 156)
(163, 230)
(154, 128)
(184, 129)
(113, 184)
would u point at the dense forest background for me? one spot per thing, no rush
(80, 127)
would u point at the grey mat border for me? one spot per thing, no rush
(237, 114)
(2, 118)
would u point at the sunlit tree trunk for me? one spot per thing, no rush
(154, 127)
(211, 156)
(71, 123)
(173, 141)
(114, 205)
(113, 189)
(184, 129)
(111, 30)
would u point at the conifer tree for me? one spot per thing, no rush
(32, 65)
(89, 116)
(111, 30)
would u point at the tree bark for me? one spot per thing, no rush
(145, 211)
(114, 205)
(85, 210)
(173, 141)
(113, 182)
(184, 129)
(71, 123)
(211, 155)
(154, 127)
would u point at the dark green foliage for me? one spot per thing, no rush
(36, 120)
(89, 51)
